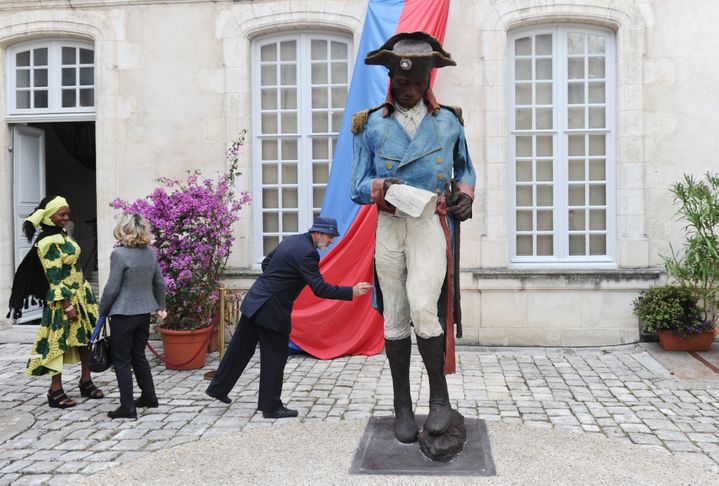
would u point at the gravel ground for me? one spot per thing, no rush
(321, 453)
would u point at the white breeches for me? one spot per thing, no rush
(411, 262)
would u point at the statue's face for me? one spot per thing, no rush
(408, 92)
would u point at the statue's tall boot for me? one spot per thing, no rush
(398, 353)
(440, 411)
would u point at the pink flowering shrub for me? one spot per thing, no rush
(192, 222)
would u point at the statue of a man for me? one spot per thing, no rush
(411, 139)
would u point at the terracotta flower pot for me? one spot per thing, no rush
(181, 346)
(695, 342)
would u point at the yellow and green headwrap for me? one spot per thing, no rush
(43, 215)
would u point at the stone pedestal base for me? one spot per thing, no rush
(445, 447)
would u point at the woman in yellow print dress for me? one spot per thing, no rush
(70, 310)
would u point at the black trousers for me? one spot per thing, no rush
(273, 357)
(129, 338)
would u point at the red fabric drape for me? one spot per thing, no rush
(330, 328)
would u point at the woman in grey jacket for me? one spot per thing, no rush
(134, 290)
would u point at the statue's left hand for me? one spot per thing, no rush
(460, 206)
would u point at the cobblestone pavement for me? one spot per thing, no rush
(618, 392)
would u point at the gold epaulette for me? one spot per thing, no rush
(359, 119)
(457, 112)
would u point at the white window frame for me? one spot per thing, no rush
(54, 111)
(559, 133)
(305, 186)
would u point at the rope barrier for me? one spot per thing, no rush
(204, 344)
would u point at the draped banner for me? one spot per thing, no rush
(331, 328)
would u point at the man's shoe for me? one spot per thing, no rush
(143, 402)
(224, 399)
(122, 413)
(281, 412)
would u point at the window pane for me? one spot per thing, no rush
(524, 221)
(339, 72)
(336, 121)
(543, 69)
(575, 43)
(289, 197)
(524, 171)
(597, 219)
(289, 122)
(524, 196)
(523, 46)
(576, 68)
(288, 51)
(68, 76)
(87, 76)
(339, 97)
(68, 55)
(87, 97)
(596, 67)
(596, 92)
(270, 222)
(597, 195)
(319, 73)
(87, 56)
(318, 195)
(543, 93)
(288, 98)
(268, 53)
(40, 99)
(268, 75)
(523, 119)
(269, 174)
(22, 78)
(576, 195)
(289, 173)
(320, 122)
(544, 119)
(339, 50)
(319, 97)
(576, 145)
(596, 117)
(524, 146)
(524, 245)
(545, 220)
(544, 147)
(543, 44)
(575, 93)
(596, 44)
(269, 243)
(320, 149)
(544, 196)
(597, 245)
(523, 94)
(68, 98)
(597, 170)
(320, 173)
(545, 245)
(290, 222)
(523, 69)
(268, 99)
(576, 220)
(576, 117)
(22, 58)
(269, 150)
(289, 150)
(288, 74)
(39, 57)
(544, 170)
(577, 245)
(576, 170)
(597, 145)
(319, 50)
(269, 123)
(22, 99)
(270, 198)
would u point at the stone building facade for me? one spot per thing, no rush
(579, 116)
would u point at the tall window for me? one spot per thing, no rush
(561, 150)
(51, 77)
(299, 88)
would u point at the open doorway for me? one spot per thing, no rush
(62, 157)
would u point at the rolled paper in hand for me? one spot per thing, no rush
(411, 201)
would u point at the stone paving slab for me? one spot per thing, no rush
(619, 392)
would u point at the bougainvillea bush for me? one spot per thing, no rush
(192, 222)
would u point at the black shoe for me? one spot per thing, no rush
(281, 412)
(122, 413)
(224, 399)
(143, 402)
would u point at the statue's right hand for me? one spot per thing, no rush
(391, 180)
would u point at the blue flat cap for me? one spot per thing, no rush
(325, 224)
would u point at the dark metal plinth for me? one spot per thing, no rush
(379, 452)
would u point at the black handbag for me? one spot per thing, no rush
(101, 358)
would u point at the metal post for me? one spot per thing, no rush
(221, 326)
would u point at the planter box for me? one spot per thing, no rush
(697, 342)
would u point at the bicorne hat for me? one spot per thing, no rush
(325, 224)
(411, 54)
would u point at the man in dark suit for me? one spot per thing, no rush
(266, 313)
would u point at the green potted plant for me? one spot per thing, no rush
(192, 223)
(672, 311)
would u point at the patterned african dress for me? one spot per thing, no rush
(58, 338)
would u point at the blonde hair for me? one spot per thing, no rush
(133, 230)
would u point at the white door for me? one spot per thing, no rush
(28, 190)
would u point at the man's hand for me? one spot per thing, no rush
(361, 288)
(389, 181)
(460, 206)
(161, 314)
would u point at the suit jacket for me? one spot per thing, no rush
(285, 272)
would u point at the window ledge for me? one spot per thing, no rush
(578, 275)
